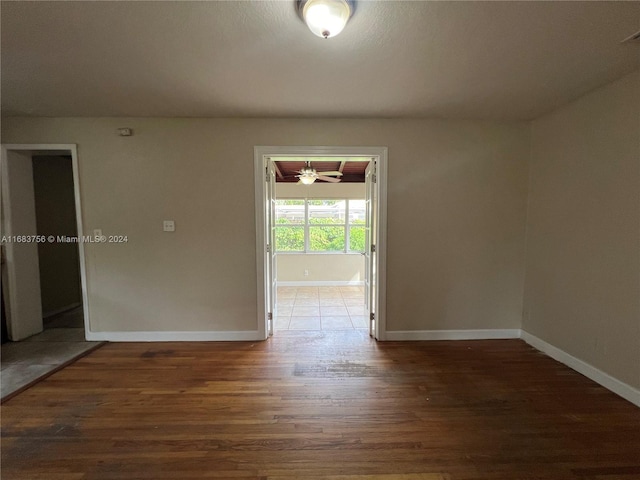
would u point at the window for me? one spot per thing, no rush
(290, 225)
(356, 225)
(320, 226)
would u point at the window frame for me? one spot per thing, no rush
(307, 247)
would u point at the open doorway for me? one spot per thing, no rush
(44, 295)
(43, 250)
(320, 238)
(59, 260)
(321, 241)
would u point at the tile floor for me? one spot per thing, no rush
(27, 360)
(320, 308)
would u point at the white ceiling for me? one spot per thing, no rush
(477, 60)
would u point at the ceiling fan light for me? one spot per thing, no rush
(326, 18)
(307, 179)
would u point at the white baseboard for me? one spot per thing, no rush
(322, 283)
(221, 336)
(61, 310)
(452, 334)
(607, 381)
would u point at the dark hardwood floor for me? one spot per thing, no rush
(321, 405)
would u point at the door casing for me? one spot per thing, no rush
(262, 155)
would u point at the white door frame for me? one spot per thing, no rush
(262, 156)
(55, 149)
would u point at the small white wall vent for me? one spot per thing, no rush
(635, 38)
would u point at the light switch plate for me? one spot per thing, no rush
(168, 226)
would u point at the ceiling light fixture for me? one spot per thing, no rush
(307, 179)
(325, 18)
(308, 174)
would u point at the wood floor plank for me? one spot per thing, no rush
(323, 406)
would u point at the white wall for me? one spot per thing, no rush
(456, 213)
(583, 232)
(321, 268)
(320, 190)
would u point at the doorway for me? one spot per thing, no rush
(320, 243)
(43, 273)
(321, 228)
(59, 261)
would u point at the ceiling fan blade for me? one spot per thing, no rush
(331, 173)
(328, 179)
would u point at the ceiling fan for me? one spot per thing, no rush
(308, 175)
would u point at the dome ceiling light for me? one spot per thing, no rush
(325, 18)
